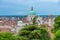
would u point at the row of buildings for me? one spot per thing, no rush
(8, 23)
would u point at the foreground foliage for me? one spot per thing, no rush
(57, 23)
(32, 32)
(6, 36)
(57, 35)
(57, 28)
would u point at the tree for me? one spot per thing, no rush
(57, 35)
(6, 36)
(57, 23)
(57, 28)
(33, 32)
(34, 20)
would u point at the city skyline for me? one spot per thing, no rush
(22, 7)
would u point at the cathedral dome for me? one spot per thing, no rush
(32, 12)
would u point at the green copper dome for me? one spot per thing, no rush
(32, 12)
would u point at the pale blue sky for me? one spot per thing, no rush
(22, 7)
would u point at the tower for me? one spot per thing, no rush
(31, 14)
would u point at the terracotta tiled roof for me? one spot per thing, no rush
(4, 30)
(9, 22)
(25, 21)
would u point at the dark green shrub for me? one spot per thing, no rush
(34, 32)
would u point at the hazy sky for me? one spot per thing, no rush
(22, 7)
